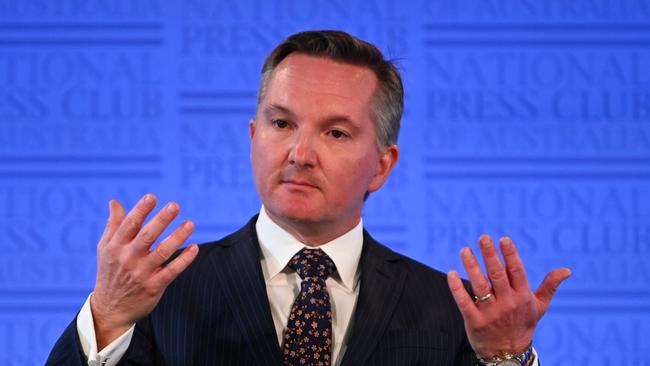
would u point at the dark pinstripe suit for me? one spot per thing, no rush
(217, 313)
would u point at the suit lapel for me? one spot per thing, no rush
(240, 277)
(381, 287)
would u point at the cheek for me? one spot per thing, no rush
(265, 161)
(358, 174)
(257, 162)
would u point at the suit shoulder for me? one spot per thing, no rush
(421, 269)
(209, 249)
(413, 267)
(418, 272)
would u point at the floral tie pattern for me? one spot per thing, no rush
(308, 339)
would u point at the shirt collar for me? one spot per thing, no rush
(278, 247)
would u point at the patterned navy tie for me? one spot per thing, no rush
(308, 340)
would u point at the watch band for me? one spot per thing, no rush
(521, 359)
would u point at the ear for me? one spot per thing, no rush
(387, 161)
(251, 128)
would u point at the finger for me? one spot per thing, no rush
(152, 230)
(550, 284)
(108, 223)
(115, 218)
(167, 247)
(463, 300)
(514, 265)
(166, 275)
(480, 284)
(133, 221)
(495, 270)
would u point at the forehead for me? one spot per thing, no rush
(308, 82)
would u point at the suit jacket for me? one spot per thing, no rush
(217, 313)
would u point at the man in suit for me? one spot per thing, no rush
(303, 282)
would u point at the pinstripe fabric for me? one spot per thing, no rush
(217, 313)
(67, 350)
(405, 314)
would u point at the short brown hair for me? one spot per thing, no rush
(388, 101)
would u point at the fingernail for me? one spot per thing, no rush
(188, 225)
(147, 198)
(171, 207)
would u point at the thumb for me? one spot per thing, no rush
(107, 229)
(549, 285)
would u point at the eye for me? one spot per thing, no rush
(337, 134)
(280, 123)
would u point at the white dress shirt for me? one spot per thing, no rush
(283, 283)
(282, 287)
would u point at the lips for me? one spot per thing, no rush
(299, 183)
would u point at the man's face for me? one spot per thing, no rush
(313, 145)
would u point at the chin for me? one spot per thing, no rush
(295, 210)
(298, 214)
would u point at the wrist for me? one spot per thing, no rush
(105, 334)
(523, 358)
(106, 329)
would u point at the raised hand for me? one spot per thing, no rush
(503, 315)
(130, 279)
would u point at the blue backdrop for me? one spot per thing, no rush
(523, 117)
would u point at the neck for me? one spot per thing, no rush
(313, 233)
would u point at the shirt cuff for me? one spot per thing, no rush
(536, 360)
(111, 354)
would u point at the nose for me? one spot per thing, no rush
(303, 152)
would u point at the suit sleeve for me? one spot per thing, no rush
(465, 356)
(67, 350)
(142, 351)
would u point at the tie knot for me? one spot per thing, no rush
(312, 263)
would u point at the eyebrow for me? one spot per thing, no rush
(336, 118)
(273, 108)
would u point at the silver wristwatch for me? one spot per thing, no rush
(522, 359)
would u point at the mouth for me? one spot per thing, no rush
(297, 183)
